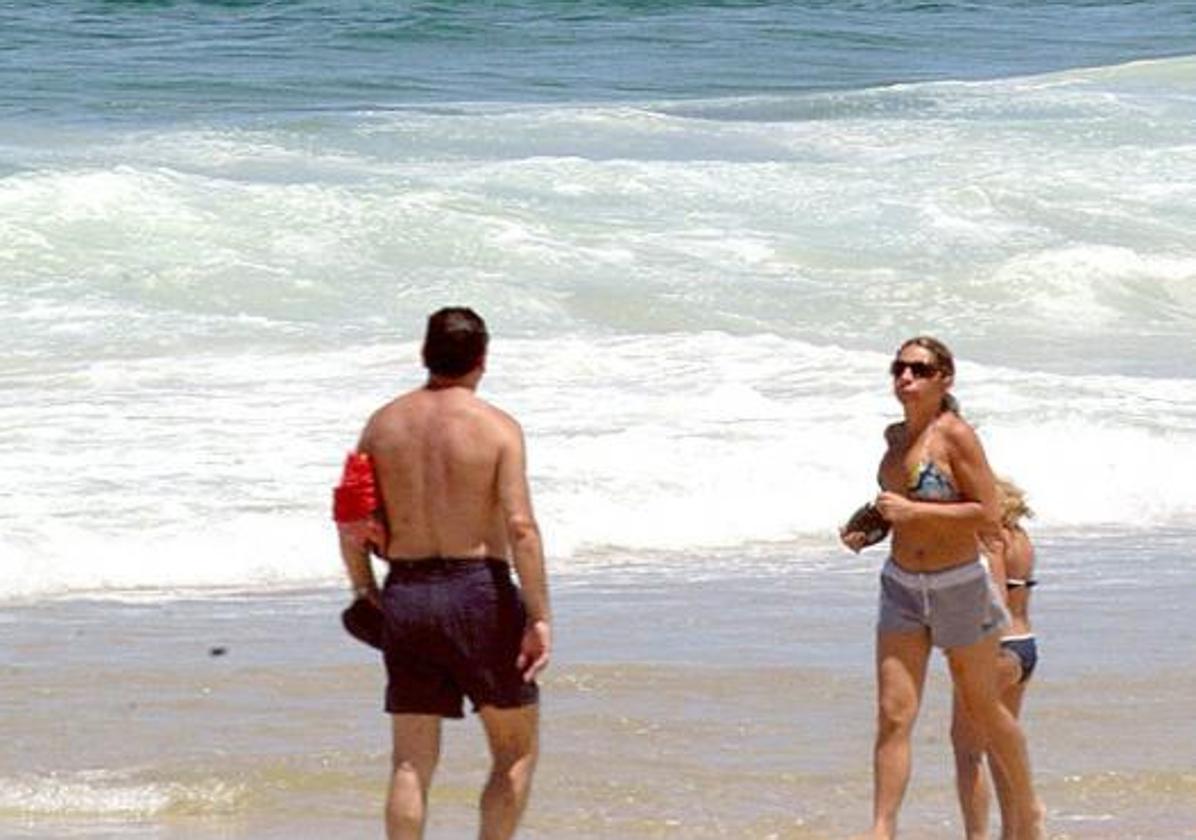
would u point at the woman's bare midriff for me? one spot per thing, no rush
(920, 549)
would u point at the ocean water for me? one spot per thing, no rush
(697, 231)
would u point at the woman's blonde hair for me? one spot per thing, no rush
(1013, 503)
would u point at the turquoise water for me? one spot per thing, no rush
(163, 61)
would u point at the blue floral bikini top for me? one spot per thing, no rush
(930, 484)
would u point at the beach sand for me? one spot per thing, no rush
(710, 696)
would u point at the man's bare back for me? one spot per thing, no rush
(439, 455)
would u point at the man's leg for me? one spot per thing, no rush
(413, 761)
(900, 674)
(970, 781)
(514, 746)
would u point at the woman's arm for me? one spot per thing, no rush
(995, 545)
(971, 475)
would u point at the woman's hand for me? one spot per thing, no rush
(855, 540)
(895, 508)
(992, 541)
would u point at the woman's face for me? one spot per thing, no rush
(917, 378)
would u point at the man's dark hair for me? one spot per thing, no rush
(455, 342)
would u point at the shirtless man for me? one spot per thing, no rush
(452, 477)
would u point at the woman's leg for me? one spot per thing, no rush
(974, 671)
(971, 782)
(900, 674)
(1009, 673)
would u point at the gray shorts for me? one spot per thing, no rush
(959, 606)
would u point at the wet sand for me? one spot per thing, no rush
(717, 696)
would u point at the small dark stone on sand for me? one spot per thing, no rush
(217, 651)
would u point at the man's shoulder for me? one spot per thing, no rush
(390, 415)
(416, 409)
(501, 419)
(398, 406)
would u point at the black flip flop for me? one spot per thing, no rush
(363, 621)
(868, 521)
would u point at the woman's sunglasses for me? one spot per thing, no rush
(920, 370)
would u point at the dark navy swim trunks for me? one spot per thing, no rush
(452, 629)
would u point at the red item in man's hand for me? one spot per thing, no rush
(357, 495)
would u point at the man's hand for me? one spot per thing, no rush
(535, 649)
(371, 594)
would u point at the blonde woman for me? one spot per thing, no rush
(1011, 563)
(938, 494)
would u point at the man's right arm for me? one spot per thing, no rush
(355, 538)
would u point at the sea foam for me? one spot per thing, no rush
(693, 305)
